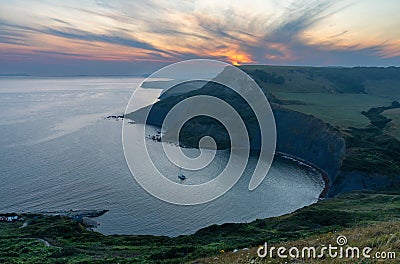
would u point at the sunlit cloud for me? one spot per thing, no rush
(239, 32)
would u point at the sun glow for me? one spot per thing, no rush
(238, 59)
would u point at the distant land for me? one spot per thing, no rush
(145, 75)
(15, 75)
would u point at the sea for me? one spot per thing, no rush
(59, 151)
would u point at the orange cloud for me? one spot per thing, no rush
(234, 56)
(279, 51)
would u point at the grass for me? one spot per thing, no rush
(372, 151)
(384, 88)
(71, 243)
(394, 129)
(336, 95)
(342, 110)
(381, 237)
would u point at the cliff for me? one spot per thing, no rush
(311, 140)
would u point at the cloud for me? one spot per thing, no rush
(338, 35)
(272, 32)
(71, 33)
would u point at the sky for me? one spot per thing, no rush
(51, 37)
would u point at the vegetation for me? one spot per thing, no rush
(381, 237)
(72, 243)
(340, 110)
(298, 79)
(371, 149)
(393, 128)
(361, 102)
(375, 117)
(265, 77)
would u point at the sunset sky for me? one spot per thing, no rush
(128, 37)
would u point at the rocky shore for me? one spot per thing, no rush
(73, 213)
(85, 217)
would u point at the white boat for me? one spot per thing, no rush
(181, 176)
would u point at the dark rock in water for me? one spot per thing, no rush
(75, 213)
(155, 138)
(116, 117)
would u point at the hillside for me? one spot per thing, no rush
(361, 103)
(336, 95)
(383, 237)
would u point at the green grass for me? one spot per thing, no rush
(295, 79)
(394, 128)
(380, 237)
(327, 79)
(343, 110)
(384, 88)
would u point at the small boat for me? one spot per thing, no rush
(181, 176)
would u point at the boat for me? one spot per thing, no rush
(181, 176)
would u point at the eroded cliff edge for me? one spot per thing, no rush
(312, 140)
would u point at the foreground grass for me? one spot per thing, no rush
(72, 243)
(381, 237)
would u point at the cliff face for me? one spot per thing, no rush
(310, 139)
(313, 141)
(361, 180)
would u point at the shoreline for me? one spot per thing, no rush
(324, 175)
(84, 216)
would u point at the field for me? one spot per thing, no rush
(342, 110)
(385, 88)
(335, 95)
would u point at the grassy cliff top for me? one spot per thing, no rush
(361, 102)
(336, 95)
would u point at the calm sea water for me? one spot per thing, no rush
(58, 152)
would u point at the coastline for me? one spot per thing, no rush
(324, 175)
(84, 216)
